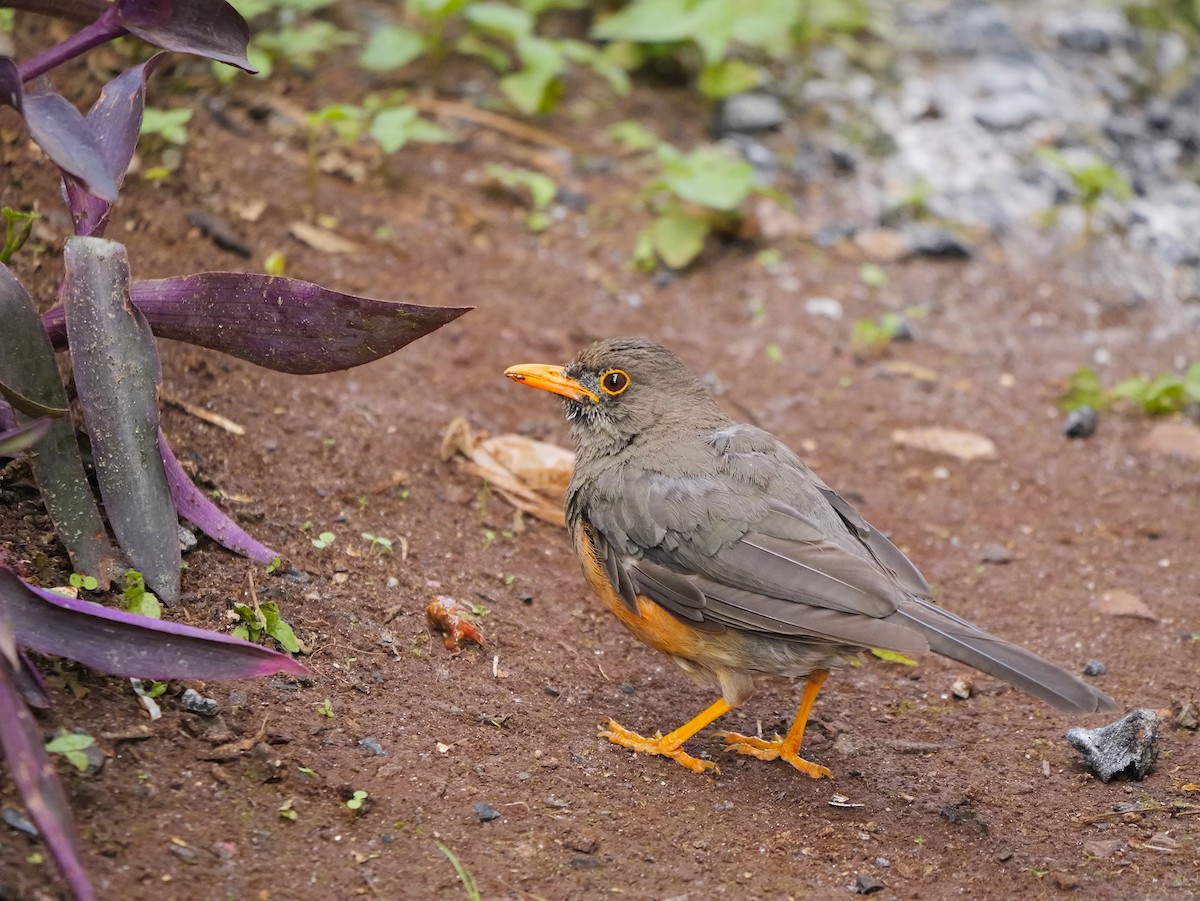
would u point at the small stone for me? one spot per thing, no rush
(1084, 39)
(996, 554)
(882, 862)
(1103, 848)
(823, 307)
(934, 244)
(1010, 110)
(1094, 668)
(367, 743)
(748, 113)
(1160, 841)
(1065, 881)
(556, 803)
(962, 688)
(1187, 715)
(844, 745)
(183, 853)
(1081, 422)
(830, 235)
(194, 702)
(17, 821)
(865, 885)
(1128, 746)
(1119, 602)
(187, 540)
(584, 844)
(1173, 439)
(486, 812)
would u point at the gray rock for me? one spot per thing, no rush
(367, 743)
(996, 554)
(1081, 422)
(486, 812)
(934, 243)
(1094, 668)
(748, 113)
(1010, 110)
(18, 821)
(1128, 746)
(194, 702)
(865, 885)
(187, 540)
(764, 160)
(975, 27)
(1084, 38)
(823, 307)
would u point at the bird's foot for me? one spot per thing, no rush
(772, 749)
(659, 744)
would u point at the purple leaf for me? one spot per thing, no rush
(67, 138)
(125, 644)
(8, 419)
(13, 441)
(116, 373)
(283, 323)
(193, 505)
(27, 405)
(11, 86)
(27, 365)
(38, 784)
(210, 28)
(116, 121)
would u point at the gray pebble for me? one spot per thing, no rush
(748, 113)
(996, 554)
(1010, 110)
(934, 243)
(194, 702)
(486, 812)
(1094, 668)
(1081, 422)
(1127, 746)
(187, 540)
(367, 743)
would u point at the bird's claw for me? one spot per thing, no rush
(772, 749)
(659, 744)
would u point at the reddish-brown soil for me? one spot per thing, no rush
(935, 796)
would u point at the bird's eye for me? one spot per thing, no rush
(614, 382)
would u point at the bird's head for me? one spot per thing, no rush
(618, 388)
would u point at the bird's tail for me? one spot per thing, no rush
(958, 639)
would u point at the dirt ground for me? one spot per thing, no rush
(934, 796)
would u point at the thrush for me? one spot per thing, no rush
(714, 543)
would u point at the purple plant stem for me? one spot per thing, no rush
(101, 31)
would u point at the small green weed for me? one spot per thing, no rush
(17, 226)
(470, 886)
(1162, 394)
(137, 599)
(257, 622)
(71, 746)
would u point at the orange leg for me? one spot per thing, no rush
(671, 744)
(788, 747)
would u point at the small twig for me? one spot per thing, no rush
(221, 422)
(495, 121)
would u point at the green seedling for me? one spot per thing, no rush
(72, 747)
(357, 800)
(872, 275)
(470, 886)
(694, 195)
(166, 126)
(137, 599)
(17, 227)
(323, 540)
(325, 709)
(260, 621)
(870, 337)
(480, 610)
(1092, 179)
(377, 542)
(541, 190)
(83, 582)
(1158, 395)
(287, 810)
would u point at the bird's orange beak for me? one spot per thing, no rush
(549, 378)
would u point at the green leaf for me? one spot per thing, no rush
(728, 77)
(1085, 390)
(678, 238)
(17, 226)
(710, 177)
(168, 124)
(633, 136)
(71, 746)
(535, 88)
(277, 628)
(872, 275)
(599, 62)
(893, 657)
(542, 189)
(648, 21)
(474, 45)
(436, 9)
(137, 599)
(500, 19)
(395, 127)
(391, 47)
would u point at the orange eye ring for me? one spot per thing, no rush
(614, 382)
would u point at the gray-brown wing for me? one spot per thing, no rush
(723, 531)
